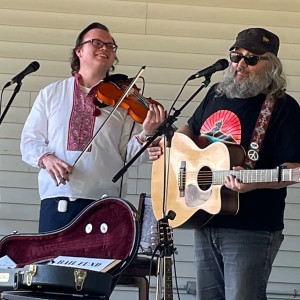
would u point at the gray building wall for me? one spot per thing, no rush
(174, 39)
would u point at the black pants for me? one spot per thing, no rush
(52, 219)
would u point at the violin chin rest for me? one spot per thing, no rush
(115, 77)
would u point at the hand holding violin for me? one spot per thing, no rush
(58, 169)
(155, 116)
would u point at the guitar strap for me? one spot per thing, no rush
(259, 133)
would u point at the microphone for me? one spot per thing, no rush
(220, 65)
(32, 67)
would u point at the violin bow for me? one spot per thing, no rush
(112, 112)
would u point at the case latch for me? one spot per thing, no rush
(30, 273)
(79, 276)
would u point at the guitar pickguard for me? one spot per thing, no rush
(194, 196)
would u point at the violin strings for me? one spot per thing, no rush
(141, 98)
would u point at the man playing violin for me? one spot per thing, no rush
(64, 118)
(234, 253)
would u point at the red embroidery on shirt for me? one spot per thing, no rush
(82, 120)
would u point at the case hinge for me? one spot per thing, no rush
(79, 276)
(30, 273)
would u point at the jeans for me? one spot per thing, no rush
(234, 264)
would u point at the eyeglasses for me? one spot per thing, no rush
(250, 60)
(99, 44)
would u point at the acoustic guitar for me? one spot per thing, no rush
(195, 187)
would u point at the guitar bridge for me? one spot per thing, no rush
(181, 178)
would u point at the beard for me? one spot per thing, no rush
(251, 86)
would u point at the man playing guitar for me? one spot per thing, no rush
(234, 253)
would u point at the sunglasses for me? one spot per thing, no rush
(250, 60)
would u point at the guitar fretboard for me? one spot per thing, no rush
(168, 288)
(251, 176)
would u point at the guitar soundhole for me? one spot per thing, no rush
(204, 178)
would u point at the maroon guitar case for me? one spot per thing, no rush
(107, 228)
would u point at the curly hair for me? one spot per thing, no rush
(75, 62)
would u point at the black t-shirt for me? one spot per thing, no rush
(234, 120)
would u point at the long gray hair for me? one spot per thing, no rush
(278, 84)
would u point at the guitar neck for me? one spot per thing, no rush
(168, 284)
(251, 176)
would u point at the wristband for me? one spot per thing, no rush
(145, 137)
(40, 162)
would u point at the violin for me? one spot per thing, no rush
(137, 106)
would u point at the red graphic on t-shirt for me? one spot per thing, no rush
(224, 125)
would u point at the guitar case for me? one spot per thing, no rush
(107, 228)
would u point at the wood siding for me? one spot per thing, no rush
(174, 39)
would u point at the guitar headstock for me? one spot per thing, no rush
(166, 237)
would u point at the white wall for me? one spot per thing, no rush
(174, 39)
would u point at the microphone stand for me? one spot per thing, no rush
(165, 128)
(16, 90)
(166, 244)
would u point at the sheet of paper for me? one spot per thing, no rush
(94, 264)
(7, 262)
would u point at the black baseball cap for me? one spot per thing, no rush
(257, 41)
